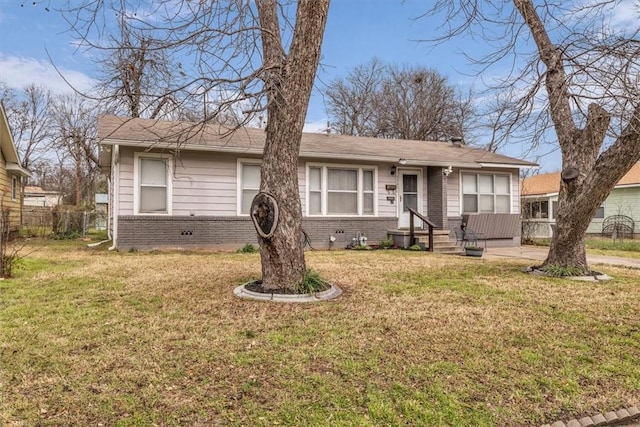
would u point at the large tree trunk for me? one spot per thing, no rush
(588, 176)
(289, 80)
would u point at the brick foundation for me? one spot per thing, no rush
(148, 232)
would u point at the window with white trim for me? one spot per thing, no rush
(486, 193)
(249, 184)
(152, 181)
(340, 190)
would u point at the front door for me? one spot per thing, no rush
(410, 196)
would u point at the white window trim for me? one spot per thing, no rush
(136, 182)
(324, 192)
(494, 174)
(239, 163)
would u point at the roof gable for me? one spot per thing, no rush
(212, 137)
(549, 183)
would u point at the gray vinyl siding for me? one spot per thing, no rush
(302, 185)
(425, 191)
(125, 195)
(204, 184)
(453, 194)
(385, 207)
(515, 192)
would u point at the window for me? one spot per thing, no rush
(249, 184)
(14, 188)
(537, 210)
(340, 190)
(486, 193)
(152, 178)
(599, 213)
(315, 191)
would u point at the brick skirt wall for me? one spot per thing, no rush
(148, 232)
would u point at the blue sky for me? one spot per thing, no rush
(357, 31)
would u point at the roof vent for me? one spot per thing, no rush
(456, 141)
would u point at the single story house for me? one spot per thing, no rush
(11, 173)
(37, 196)
(199, 195)
(540, 203)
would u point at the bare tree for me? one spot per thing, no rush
(581, 81)
(76, 140)
(389, 101)
(417, 103)
(137, 76)
(29, 115)
(352, 100)
(258, 56)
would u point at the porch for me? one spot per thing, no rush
(442, 242)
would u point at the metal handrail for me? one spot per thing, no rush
(412, 213)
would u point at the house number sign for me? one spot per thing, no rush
(264, 214)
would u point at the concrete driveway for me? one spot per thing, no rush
(539, 253)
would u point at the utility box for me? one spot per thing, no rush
(400, 238)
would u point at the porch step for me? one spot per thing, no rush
(442, 243)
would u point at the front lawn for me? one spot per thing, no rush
(90, 337)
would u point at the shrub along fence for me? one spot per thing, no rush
(60, 221)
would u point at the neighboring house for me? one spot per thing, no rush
(101, 210)
(348, 185)
(11, 173)
(36, 196)
(540, 203)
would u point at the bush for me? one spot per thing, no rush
(68, 221)
(558, 271)
(312, 283)
(386, 243)
(247, 249)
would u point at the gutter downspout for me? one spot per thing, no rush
(114, 189)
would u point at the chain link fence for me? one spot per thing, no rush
(40, 221)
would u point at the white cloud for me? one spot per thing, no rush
(317, 126)
(18, 71)
(624, 13)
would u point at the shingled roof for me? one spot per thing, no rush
(549, 183)
(148, 133)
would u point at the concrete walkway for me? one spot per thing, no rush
(539, 253)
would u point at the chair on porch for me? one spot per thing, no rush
(467, 237)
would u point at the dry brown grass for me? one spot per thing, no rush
(90, 338)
